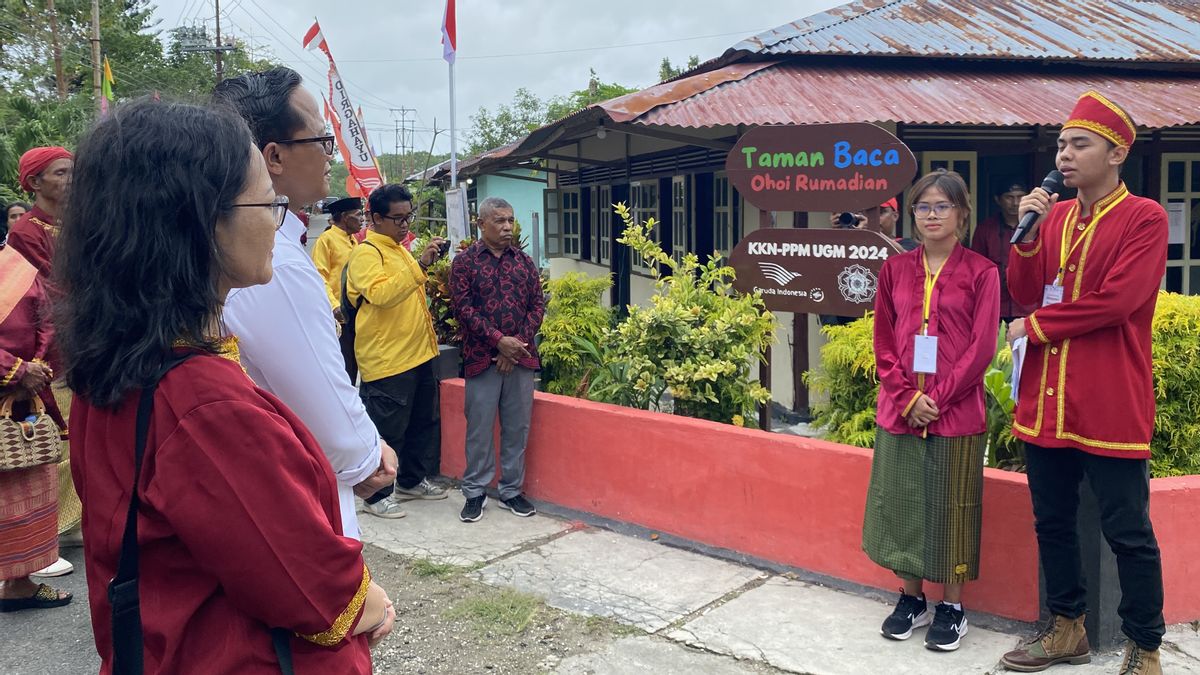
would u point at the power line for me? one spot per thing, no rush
(362, 90)
(559, 51)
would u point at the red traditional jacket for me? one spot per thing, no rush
(1087, 381)
(33, 236)
(239, 529)
(964, 315)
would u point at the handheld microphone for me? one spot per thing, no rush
(1052, 183)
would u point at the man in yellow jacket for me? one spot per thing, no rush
(330, 254)
(395, 346)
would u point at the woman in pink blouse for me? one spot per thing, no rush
(936, 314)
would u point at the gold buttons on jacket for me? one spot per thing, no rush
(1054, 350)
(1050, 391)
(1071, 268)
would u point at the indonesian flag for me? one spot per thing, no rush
(449, 33)
(313, 39)
(347, 125)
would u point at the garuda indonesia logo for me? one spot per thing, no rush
(777, 273)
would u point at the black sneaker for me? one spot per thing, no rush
(472, 511)
(911, 612)
(519, 506)
(949, 625)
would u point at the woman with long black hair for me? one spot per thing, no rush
(238, 527)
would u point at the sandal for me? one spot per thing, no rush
(43, 598)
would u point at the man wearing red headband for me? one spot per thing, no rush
(1092, 265)
(45, 172)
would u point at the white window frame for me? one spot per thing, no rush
(682, 224)
(572, 223)
(1191, 164)
(642, 212)
(602, 226)
(723, 225)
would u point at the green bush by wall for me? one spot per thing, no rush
(847, 382)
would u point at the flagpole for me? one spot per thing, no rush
(453, 133)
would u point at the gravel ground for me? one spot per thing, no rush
(447, 623)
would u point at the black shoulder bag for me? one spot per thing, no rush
(127, 648)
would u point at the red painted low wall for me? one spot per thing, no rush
(791, 500)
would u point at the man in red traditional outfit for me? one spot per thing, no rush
(1086, 405)
(46, 173)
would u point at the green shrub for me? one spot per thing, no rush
(1175, 448)
(847, 378)
(695, 342)
(574, 311)
(846, 382)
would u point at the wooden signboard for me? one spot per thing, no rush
(812, 271)
(819, 167)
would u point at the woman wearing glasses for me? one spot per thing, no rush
(936, 314)
(236, 512)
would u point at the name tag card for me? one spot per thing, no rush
(925, 354)
(1052, 295)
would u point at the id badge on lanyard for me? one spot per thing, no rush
(925, 354)
(1052, 294)
(925, 345)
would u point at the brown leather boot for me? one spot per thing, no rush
(1063, 640)
(1140, 661)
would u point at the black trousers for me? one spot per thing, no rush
(1122, 488)
(405, 410)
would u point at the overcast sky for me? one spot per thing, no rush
(390, 50)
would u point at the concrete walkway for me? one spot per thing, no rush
(696, 613)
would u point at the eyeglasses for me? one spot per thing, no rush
(939, 210)
(279, 209)
(325, 141)
(407, 219)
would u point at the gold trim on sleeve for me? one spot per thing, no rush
(341, 625)
(12, 373)
(1041, 394)
(1037, 329)
(1029, 254)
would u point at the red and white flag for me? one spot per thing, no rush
(449, 33)
(352, 137)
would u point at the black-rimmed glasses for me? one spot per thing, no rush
(279, 209)
(407, 219)
(325, 141)
(939, 210)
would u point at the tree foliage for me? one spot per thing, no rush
(142, 61)
(666, 71)
(511, 121)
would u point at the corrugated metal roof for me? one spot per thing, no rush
(794, 93)
(1100, 30)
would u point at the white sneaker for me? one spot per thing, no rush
(422, 490)
(60, 568)
(387, 507)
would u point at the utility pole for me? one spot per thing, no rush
(96, 52)
(220, 55)
(196, 40)
(403, 135)
(60, 80)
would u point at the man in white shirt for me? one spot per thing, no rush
(287, 336)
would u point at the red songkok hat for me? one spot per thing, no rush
(36, 160)
(1100, 115)
(891, 204)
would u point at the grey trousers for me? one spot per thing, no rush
(512, 395)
